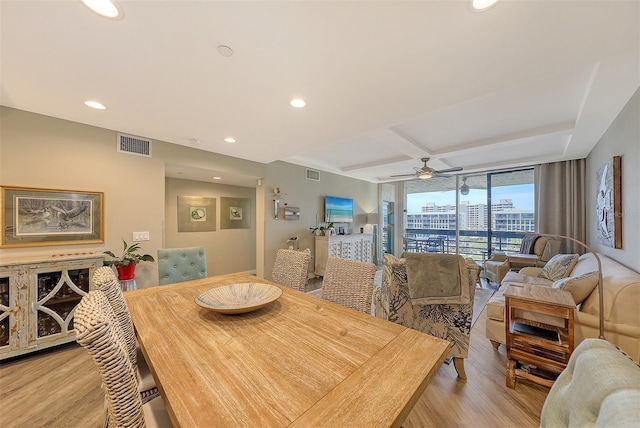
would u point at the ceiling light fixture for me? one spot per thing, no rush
(109, 9)
(298, 103)
(425, 174)
(215, 177)
(94, 104)
(464, 189)
(481, 5)
(229, 140)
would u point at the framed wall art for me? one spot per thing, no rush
(609, 203)
(196, 214)
(34, 217)
(235, 213)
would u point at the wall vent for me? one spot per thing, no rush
(312, 174)
(134, 145)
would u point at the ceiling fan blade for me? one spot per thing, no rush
(443, 175)
(458, 168)
(403, 175)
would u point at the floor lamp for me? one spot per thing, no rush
(600, 285)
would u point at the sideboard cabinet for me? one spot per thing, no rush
(38, 299)
(353, 247)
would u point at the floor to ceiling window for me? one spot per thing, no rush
(472, 214)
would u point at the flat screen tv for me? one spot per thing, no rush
(338, 210)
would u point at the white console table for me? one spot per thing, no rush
(354, 247)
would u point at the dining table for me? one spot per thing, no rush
(300, 361)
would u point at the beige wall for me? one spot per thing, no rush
(622, 138)
(228, 250)
(41, 151)
(309, 196)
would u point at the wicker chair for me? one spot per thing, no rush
(450, 322)
(98, 331)
(291, 268)
(181, 264)
(349, 283)
(105, 280)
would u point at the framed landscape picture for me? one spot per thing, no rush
(42, 217)
(609, 203)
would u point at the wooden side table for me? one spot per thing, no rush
(544, 347)
(523, 259)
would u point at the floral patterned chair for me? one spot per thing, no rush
(446, 321)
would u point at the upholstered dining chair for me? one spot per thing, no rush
(181, 264)
(291, 268)
(105, 280)
(452, 322)
(349, 283)
(98, 331)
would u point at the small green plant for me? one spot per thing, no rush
(129, 255)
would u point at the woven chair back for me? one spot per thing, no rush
(291, 268)
(98, 331)
(349, 283)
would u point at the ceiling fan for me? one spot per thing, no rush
(428, 172)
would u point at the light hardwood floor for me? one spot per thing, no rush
(61, 388)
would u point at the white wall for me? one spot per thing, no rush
(622, 138)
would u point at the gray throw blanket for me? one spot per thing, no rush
(437, 279)
(527, 244)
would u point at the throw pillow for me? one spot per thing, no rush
(579, 286)
(559, 266)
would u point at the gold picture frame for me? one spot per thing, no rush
(37, 217)
(235, 213)
(196, 214)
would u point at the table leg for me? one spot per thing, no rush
(511, 374)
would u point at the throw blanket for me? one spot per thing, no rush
(527, 244)
(437, 279)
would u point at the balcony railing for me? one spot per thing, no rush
(473, 243)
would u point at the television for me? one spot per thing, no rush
(338, 210)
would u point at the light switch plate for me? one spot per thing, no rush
(140, 236)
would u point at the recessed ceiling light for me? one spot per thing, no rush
(298, 102)
(225, 50)
(481, 5)
(229, 140)
(195, 141)
(95, 104)
(215, 177)
(106, 8)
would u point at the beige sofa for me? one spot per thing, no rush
(621, 304)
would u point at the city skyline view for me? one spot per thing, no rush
(521, 195)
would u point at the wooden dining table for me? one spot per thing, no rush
(300, 361)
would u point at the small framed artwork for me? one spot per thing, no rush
(609, 203)
(41, 217)
(235, 213)
(196, 214)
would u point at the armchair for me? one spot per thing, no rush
(450, 322)
(496, 267)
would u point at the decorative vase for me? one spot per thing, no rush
(126, 273)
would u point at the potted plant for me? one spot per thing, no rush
(126, 263)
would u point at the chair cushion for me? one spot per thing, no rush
(541, 242)
(559, 266)
(579, 286)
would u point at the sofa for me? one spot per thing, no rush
(600, 387)
(621, 303)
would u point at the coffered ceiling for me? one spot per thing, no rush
(385, 83)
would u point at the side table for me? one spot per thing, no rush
(544, 347)
(523, 259)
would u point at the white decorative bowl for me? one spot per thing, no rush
(238, 298)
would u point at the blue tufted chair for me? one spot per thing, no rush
(181, 264)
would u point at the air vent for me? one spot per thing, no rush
(312, 174)
(134, 145)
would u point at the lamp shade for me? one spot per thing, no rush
(374, 218)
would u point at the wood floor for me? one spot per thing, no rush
(61, 388)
